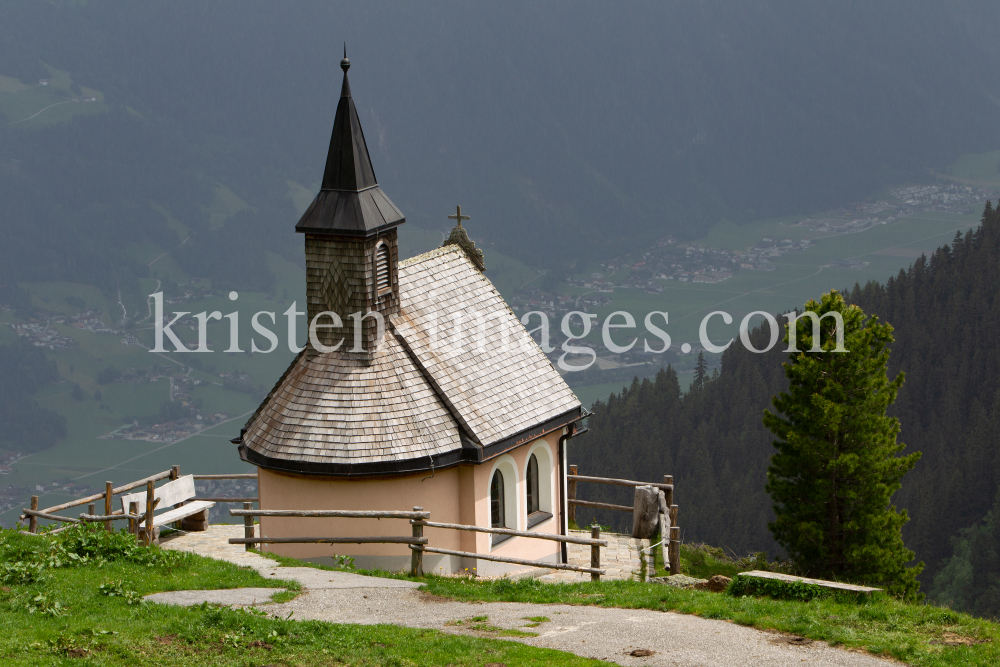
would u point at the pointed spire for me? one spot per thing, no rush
(350, 202)
(348, 166)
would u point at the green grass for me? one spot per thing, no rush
(112, 627)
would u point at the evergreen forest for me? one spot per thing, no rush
(945, 311)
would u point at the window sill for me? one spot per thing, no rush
(499, 539)
(538, 517)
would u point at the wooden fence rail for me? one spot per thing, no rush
(604, 506)
(249, 538)
(517, 533)
(595, 572)
(595, 547)
(328, 540)
(346, 514)
(618, 482)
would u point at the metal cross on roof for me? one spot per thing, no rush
(458, 216)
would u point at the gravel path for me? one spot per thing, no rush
(595, 632)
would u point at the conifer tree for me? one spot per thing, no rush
(700, 372)
(836, 467)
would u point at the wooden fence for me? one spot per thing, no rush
(417, 539)
(110, 515)
(673, 540)
(595, 547)
(419, 519)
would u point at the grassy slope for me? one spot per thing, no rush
(109, 631)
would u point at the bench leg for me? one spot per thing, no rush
(195, 522)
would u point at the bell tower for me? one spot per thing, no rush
(352, 252)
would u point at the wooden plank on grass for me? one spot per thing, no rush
(790, 579)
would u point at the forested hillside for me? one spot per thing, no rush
(946, 311)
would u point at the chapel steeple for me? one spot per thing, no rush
(351, 241)
(350, 202)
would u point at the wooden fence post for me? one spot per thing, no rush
(675, 550)
(669, 493)
(148, 521)
(175, 473)
(595, 552)
(248, 525)
(571, 495)
(417, 553)
(33, 520)
(645, 508)
(92, 509)
(133, 524)
(108, 497)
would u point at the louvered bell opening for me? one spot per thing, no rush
(383, 281)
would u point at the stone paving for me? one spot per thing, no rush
(621, 558)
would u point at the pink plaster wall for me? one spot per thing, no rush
(438, 494)
(456, 495)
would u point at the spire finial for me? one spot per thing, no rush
(345, 64)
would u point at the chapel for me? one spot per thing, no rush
(446, 403)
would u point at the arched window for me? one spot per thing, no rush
(538, 477)
(497, 518)
(532, 480)
(383, 277)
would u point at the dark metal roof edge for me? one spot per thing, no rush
(373, 469)
(370, 187)
(495, 449)
(328, 231)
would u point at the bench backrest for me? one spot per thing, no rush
(169, 494)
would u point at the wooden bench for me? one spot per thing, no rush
(193, 516)
(788, 578)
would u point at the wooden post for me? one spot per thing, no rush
(675, 553)
(148, 522)
(571, 495)
(92, 509)
(248, 525)
(669, 479)
(417, 554)
(109, 495)
(595, 552)
(675, 542)
(645, 508)
(650, 561)
(664, 530)
(133, 524)
(175, 473)
(33, 520)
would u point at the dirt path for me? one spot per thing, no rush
(595, 632)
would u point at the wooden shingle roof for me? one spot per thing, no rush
(496, 388)
(419, 403)
(338, 413)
